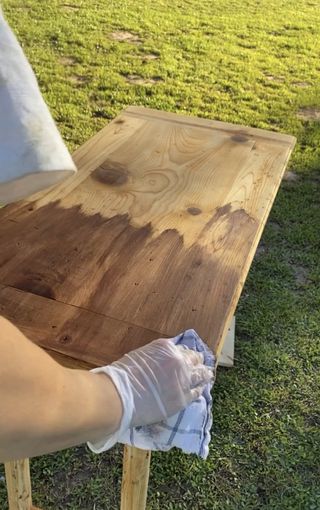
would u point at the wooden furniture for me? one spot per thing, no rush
(154, 235)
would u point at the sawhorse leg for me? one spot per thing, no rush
(19, 485)
(135, 478)
(136, 467)
(226, 357)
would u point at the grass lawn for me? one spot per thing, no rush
(255, 62)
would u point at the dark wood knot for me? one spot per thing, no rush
(111, 173)
(194, 211)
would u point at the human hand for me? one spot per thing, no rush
(155, 382)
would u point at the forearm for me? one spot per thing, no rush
(45, 407)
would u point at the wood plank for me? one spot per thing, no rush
(136, 468)
(226, 358)
(18, 485)
(158, 229)
(190, 120)
(74, 337)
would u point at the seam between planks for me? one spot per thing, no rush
(6, 286)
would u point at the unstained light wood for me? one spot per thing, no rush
(19, 485)
(136, 467)
(226, 358)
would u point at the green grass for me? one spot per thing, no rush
(244, 61)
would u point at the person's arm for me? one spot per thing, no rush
(45, 407)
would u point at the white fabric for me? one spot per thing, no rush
(32, 153)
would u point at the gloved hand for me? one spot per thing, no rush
(155, 382)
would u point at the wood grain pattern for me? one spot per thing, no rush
(135, 478)
(157, 230)
(19, 485)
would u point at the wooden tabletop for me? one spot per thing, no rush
(154, 235)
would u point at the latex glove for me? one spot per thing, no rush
(155, 382)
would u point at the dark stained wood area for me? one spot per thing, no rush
(154, 235)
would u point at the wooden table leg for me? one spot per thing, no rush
(226, 356)
(19, 485)
(136, 467)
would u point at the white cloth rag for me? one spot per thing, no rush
(189, 429)
(32, 153)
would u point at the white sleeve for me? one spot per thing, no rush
(32, 153)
